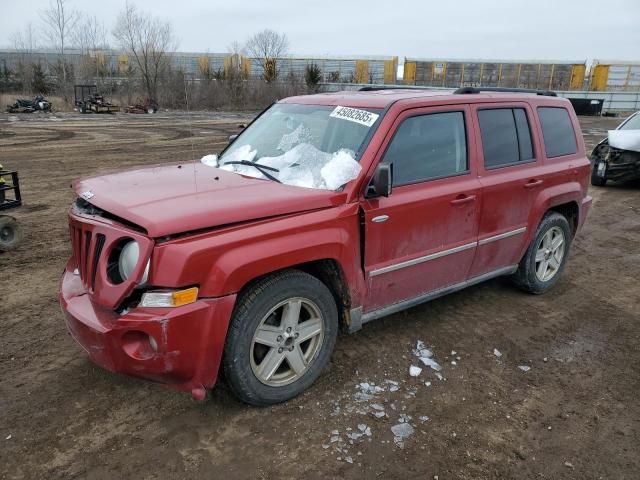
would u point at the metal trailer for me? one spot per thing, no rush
(88, 100)
(615, 76)
(362, 69)
(10, 197)
(535, 74)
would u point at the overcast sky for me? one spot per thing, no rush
(489, 29)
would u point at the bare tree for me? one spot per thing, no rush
(25, 43)
(148, 40)
(90, 37)
(236, 48)
(267, 46)
(60, 20)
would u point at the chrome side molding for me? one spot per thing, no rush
(495, 238)
(426, 258)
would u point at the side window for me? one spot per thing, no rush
(557, 131)
(429, 146)
(506, 136)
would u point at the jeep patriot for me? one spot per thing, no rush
(327, 211)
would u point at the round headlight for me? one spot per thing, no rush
(129, 256)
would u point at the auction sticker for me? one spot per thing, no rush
(355, 115)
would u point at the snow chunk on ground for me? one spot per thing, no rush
(524, 368)
(497, 353)
(414, 371)
(400, 432)
(425, 355)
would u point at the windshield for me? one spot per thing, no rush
(632, 123)
(313, 146)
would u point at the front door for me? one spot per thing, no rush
(423, 236)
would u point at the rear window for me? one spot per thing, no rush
(557, 131)
(506, 137)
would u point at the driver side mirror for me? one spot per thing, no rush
(382, 181)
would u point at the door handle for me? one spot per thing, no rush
(462, 199)
(533, 183)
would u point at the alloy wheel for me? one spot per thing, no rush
(286, 342)
(549, 254)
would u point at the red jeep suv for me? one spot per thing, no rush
(328, 210)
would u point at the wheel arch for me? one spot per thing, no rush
(570, 211)
(330, 272)
(564, 199)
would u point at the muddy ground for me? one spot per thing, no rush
(575, 414)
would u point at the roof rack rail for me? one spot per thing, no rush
(471, 90)
(374, 88)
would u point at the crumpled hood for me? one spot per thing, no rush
(174, 199)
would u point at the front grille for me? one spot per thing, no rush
(93, 242)
(86, 253)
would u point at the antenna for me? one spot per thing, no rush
(190, 122)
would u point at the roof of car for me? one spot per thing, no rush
(381, 98)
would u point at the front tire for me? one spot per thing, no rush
(281, 337)
(546, 257)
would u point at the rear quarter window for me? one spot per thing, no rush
(557, 131)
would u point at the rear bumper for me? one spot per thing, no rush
(178, 347)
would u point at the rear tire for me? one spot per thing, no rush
(282, 333)
(545, 259)
(10, 234)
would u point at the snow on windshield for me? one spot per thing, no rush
(301, 166)
(311, 146)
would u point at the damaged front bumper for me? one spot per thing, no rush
(178, 347)
(616, 164)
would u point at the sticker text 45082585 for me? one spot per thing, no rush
(355, 115)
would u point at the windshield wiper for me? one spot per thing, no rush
(262, 168)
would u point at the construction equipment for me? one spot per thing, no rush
(87, 100)
(10, 234)
(22, 105)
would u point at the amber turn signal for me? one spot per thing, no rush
(166, 299)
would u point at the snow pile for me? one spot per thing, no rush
(341, 169)
(302, 166)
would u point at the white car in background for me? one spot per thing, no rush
(617, 157)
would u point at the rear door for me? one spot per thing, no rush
(423, 236)
(511, 173)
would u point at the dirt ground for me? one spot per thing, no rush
(575, 414)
